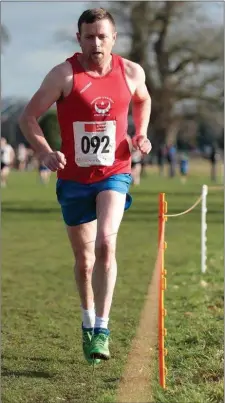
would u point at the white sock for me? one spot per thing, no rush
(101, 322)
(88, 318)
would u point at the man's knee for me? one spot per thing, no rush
(84, 263)
(105, 250)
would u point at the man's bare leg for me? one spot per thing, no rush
(82, 238)
(110, 209)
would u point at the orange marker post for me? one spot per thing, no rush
(162, 287)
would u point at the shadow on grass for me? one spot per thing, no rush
(29, 207)
(112, 380)
(37, 359)
(26, 373)
(30, 210)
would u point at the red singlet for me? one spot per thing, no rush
(93, 124)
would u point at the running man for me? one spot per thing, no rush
(92, 90)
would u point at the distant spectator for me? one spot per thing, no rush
(44, 173)
(183, 166)
(32, 162)
(7, 159)
(136, 166)
(22, 157)
(171, 158)
(213, 157)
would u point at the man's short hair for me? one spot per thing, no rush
(95, 14)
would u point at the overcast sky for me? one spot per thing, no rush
(33, 49)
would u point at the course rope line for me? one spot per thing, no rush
(186, 211)
(162, 332)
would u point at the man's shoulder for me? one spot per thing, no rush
(63, 68)
(132, 69)
(58, 81)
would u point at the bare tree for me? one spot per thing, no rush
(181, 51)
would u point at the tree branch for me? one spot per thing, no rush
(159, 46)
(181, 65)
(198, 96)
(195, 58)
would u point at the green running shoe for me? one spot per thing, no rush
(100, 344)
(87, 337)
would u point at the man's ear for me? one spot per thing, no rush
(78, 37)
(114, 37)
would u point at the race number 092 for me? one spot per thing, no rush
(94, 142)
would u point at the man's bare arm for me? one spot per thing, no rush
(141, 104)
(48, 93)
(141, 111)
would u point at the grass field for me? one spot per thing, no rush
(41, 339)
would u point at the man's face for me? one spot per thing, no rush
(97, 40)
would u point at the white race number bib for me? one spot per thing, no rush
(95, 143)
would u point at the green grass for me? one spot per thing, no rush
(41, 341)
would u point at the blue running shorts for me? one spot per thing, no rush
(78, 201)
